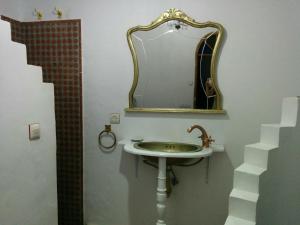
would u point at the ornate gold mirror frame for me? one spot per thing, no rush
(176, 14)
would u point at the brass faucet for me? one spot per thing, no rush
(206, 140)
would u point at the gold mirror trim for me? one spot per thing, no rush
(176, 14)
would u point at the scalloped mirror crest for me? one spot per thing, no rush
(195, 87)
(173, 13)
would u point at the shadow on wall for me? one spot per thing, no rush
(192, 201)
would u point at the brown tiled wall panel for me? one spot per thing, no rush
(56, 46)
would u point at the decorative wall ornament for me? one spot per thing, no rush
(38, 14)
(58, 12)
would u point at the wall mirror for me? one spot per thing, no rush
(175, 65)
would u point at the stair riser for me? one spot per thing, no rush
(242, 209)
(269, 134)
(256, 157)
(289, 112)
(246, 182)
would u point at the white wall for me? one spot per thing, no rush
(11, 8)
(27, 168)
(259, 65)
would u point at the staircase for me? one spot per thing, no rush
(244, 198)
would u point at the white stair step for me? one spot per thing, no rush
(246, 178)
(242, 204)
(250, 169)
(262, 146)
(257, 154)
(270, 134)
(244, 195)
(231, 220)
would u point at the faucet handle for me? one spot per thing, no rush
(207, 141)
(210, 140)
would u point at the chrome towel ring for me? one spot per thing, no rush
(107, 132)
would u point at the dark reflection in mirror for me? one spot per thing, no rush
(204, 91)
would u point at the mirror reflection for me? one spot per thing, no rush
(175, 64)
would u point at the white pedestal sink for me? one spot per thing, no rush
(164, 150)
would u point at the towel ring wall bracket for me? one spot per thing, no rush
(107, 132)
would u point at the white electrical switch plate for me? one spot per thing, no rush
(115, 118)
(34, 131)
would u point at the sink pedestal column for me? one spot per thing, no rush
(161, 194)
